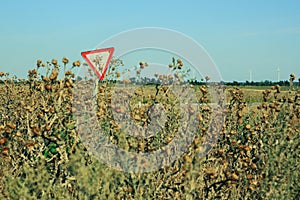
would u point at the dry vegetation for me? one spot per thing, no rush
(42, 156)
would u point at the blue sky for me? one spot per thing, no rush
(239, 35)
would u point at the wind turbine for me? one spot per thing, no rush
(278, 74)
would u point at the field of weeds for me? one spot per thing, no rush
(42, 156)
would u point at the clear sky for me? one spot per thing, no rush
(239, 35)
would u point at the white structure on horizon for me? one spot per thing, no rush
(278, 74)
(250, 78)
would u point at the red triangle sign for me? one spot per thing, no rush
(98, 60)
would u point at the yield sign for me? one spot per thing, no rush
(98, 60)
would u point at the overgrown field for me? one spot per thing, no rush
(256, 155)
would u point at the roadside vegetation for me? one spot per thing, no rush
(42, 156)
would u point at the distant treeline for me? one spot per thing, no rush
(248, 83)
(252, 83)
(149, 81)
